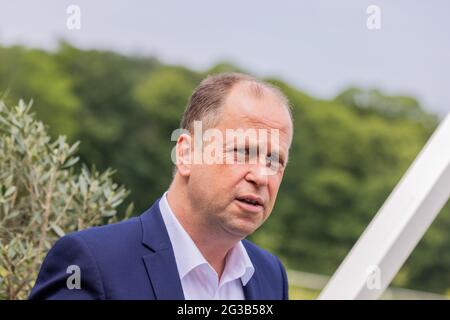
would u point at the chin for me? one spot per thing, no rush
(242, 229)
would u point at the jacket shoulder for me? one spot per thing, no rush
(100, 254)
(124, 232)
(270, 270)
(260, 254)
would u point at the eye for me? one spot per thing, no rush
(241, 150)
(269, 161)
(241, 154)
(274, 161)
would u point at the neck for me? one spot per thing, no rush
(213, 243)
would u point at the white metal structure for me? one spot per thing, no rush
(398, 226)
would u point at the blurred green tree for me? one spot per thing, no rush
(34, 74)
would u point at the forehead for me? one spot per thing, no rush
(244, 107)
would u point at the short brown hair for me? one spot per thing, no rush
(207, 99)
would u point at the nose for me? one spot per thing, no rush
(257, 175)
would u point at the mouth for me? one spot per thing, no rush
(250, 203)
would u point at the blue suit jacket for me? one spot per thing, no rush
(134, 259)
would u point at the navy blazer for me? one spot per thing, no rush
(134, 259)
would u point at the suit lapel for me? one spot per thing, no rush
(163, 274)
(160, 263)
(252, 289)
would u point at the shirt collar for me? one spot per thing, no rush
(188, 256)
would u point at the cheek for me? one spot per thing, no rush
(233, 172)
(202, 178)
(273, 186)
(220, 179)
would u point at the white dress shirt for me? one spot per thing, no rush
(198, 279)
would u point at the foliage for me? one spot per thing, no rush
(42, 197)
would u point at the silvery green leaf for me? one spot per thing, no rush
(57, 230)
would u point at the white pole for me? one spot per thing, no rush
(398, 226)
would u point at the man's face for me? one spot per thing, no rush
(223, 192)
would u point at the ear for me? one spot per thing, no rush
(184, 149)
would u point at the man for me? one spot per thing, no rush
(190, 244)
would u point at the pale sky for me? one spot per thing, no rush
(319, 46)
